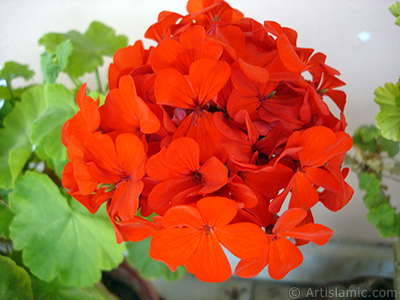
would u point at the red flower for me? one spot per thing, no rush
(124, 111)
(125, 61)
(206, 78)
(312, 151)
(193, 236)
(280, 254)
(222, 120)
(180, 174)
(85, 122)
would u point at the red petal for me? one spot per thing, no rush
(160, 198)
(316, 233)
(217, 211)
(288, 55)
(179, 159)
(283, 257)
(244, 240)
(209, 263)
(175, 246)
(208, 78)
(171, 88)
(130, 152)
(182, 215)
(251, 268)
(304, 194)
(125, 201)
(289, 219)
(214, 174)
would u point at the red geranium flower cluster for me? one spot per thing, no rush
(209, 133)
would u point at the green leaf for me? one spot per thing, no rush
(63, 52)
(6, 217)
(57, 291)
(53, 64)
(391, 147)
(395, 10)
(138, 257)
(384, 218)
(369, 182)
(88, 48)
(5, 110)
(374, 200)
(15, 282)
(46, 130)
(5, 93)
(13, 70)
(373, 197)
(365, 137)
(15, 146)
(59, 239)
(50, 70)
(388, 119)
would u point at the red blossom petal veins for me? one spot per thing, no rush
(209, 262)
(284, 256)
(175, 246)
(208, 78)
(183, 215)
(244, 240)
(319, 234)
(289, 220)
(253, 267)
(181, 158)
(172, 88)
(211, 209)
(214, 174)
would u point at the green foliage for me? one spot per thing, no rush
(57, 291)
(53, 64)
(138, 257)
(12, 70)
(395, 10)
(15, 282)
(369, 139)
(374, 196)
(388, 119)
(6, 216)
(381, 213)
(15, 145)
(88, 48)
(384, 218)
(59, 239)
(59, 107)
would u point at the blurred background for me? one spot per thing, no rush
(358, 36)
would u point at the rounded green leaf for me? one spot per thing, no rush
(388, 119)
(57, 291)
(46, 130)
(6, 216)
(15, 146)
(58, 238)
(15, 282)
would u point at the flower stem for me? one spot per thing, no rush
(396, 257)
(12, 99)
(98, 81)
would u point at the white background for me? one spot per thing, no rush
(332, 27)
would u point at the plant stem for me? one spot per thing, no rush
(75, 81)
(8, 83)
(396, 257)
(98, 81)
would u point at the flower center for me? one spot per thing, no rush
(196, 178)
(207, 230)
